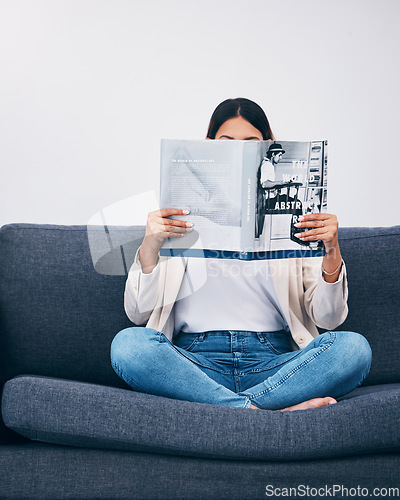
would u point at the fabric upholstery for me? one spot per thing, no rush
(40, 471)
(80, 414)
(58, 315)
(374, 296)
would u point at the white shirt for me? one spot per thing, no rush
(267, 171)
(227, 294)
(305, 298)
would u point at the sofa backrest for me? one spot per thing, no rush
(62, 287)
(58, 315)
(371, 256)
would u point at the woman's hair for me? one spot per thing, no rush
(245, 108)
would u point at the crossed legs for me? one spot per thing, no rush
(332, 365)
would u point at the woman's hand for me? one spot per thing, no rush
(323, 227)
(159, 227)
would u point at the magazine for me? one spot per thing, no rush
(244, 197)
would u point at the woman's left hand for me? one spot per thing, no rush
(322, 227)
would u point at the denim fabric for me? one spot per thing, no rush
(95, 416)
(237, 368)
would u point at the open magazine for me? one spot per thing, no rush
(243, 197)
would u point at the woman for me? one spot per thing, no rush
(247, 338)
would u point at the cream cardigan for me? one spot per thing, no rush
(306, 299)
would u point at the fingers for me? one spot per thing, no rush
(318, 220)
(162, 231)
(177, 223)
(175, 234)
(173, 225)
(313, 234)
(160, 226)
(323, 227)
(163, 214)
(312, 223)
(327, 224)
(179, 229)
(172, 228)
(316, 216)
(166, 212)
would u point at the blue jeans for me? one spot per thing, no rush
(239, 368)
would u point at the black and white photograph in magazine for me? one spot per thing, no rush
(291, 182)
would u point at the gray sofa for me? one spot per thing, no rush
(71, 428)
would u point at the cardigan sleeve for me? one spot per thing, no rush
(140, 291)
(325, 303)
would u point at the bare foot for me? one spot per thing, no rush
(311, 403)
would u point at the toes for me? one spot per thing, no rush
(317, 402)
(312, 403)
(326, 401)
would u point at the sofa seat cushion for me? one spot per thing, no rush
(89, 415)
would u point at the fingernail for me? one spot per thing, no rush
(189, 229)
(332, 402)
(189, 224)
(185, 212)
(298, 235)
(298, 224)
(301, 217)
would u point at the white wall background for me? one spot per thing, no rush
(88, 88)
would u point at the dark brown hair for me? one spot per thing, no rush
(249, 110)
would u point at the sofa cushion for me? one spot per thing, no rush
(45, 471)
(39, 471)
(81, 414)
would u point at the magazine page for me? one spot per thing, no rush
(290, 180)
(244, 197)
(204, 177)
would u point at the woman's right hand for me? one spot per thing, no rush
(159, 227)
